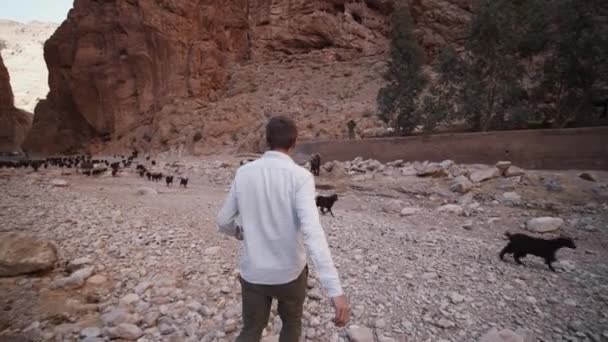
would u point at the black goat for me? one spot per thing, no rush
(315, 164)
(183, 182)
(169, 180)
(325, 203)
(521, 245)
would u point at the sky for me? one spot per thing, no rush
(41, 10)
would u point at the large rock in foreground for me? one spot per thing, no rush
(14, 123)
(22, 254)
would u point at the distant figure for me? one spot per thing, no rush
(351, 129)
(315, 164)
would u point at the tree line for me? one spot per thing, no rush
(525, 64)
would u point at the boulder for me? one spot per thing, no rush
(23, 254)
(504, 335)
(587, 176)
(484, 175)
(360, 334)
(451, 208)
(544, 224)
(512, 197)
(461, 184)
(514, 171)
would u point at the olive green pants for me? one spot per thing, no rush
(257, 300)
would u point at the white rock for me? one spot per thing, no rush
(514, 171)
(78, 263)
(407, 211)
(74, 280)
(360, 334)
(544, 224)
(444, 323)
(129, 299)
(461, 184)
(503, 166)
(126, 331)
(90, 332)
(456, 297)
(484, 175)
(97, 279)
(451, 208)
(59, 183)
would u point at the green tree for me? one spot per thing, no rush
(404, 77)
(575, 68)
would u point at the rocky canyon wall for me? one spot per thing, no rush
(14, 123)
(124, 72)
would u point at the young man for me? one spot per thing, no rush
(275, 200)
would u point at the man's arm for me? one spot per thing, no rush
(314, 237)
(227, 215)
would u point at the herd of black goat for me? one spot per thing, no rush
(92, 167)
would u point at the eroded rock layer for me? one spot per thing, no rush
(14, 123)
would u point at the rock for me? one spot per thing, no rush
(393, 206)
(461, 184)
(97, 280)
(484, 175)
(74, 280)
(544, 224)
(230, 326)
(444, 323)
(23, 254)
(59, 183)
(514, 171)
(360, 334)
(456, 298)
(407, 211)
(432, 170)
(126, 331)
(78, 264)
(587, 176)
(503, 166)
(451, 208)
(408, 171)
(428, 275)
(90, 332)
(118, 315)
(380, 323)
(129, 299)
(505, 335)
(512, 197)
(143, 191)
(552, 184)
(14, 122)
(328, 166)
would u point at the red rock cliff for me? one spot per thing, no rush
(14, 123)
(116, 68)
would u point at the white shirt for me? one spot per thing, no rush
(275, 200)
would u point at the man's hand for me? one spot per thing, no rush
(342, 310)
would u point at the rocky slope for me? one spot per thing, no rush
(14, 123)
(120, 77)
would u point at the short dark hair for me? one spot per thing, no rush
(281, 133)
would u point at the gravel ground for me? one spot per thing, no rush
(161, 272)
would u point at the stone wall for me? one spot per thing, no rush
(581, 148)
